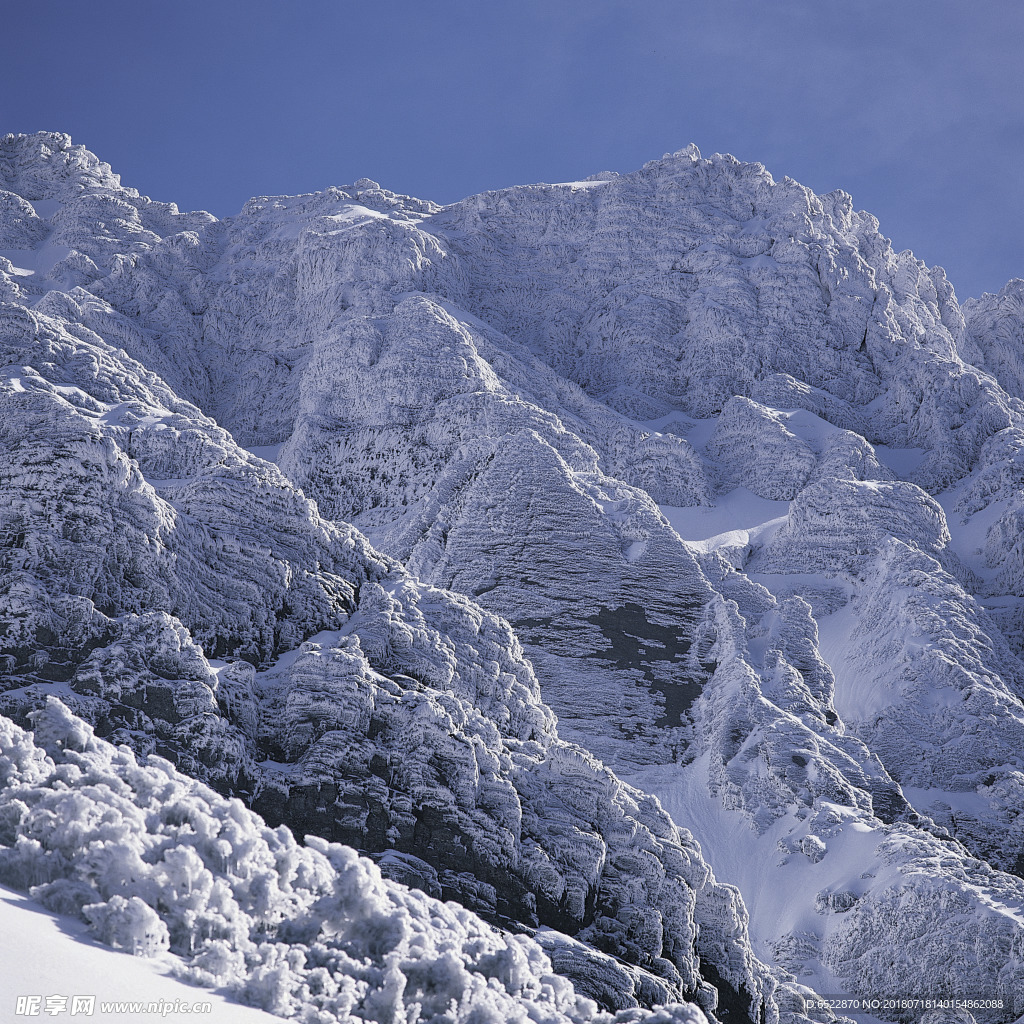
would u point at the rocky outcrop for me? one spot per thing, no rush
(754, 449)
(154, 860)
(994, 335)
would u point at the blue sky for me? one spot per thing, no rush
(916, 108)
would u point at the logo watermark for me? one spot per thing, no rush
(86, 1006)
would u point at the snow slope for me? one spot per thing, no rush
(44, 955)
(155, 861)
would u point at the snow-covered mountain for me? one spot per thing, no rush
(339, 503)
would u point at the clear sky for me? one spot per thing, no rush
(916, 107)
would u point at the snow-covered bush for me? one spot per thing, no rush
(154, 860)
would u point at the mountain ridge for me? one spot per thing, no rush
(538, 397)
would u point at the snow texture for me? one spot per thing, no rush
(156, 861)
(688, 458)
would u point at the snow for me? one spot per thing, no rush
(574, 185)
(737, 518)
(812, 428)
(326, 638)
(762, 262)
(155, 860)
(968, 533)
(44, 954)
(857, 694)
(46, 208)
(632, 420)
(38, 262)
(696, 431)
(269, 452)
(902, 461)
(776, 883)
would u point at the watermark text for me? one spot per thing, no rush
(87, 1005)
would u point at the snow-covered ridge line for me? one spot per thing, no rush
(499, 393)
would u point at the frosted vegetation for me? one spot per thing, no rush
(337, 504)
(154, 860)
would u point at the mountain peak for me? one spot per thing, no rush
(43, 165)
